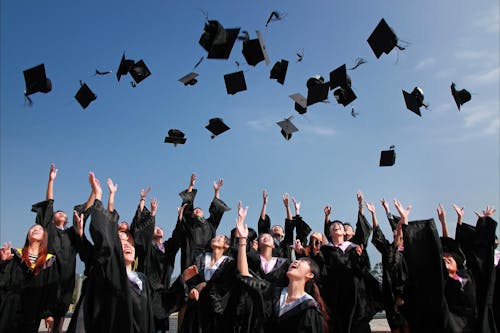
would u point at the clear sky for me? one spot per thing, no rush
(445, 156)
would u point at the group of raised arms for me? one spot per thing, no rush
(277, 278)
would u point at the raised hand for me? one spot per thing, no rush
(189, 272)
(192, 180)
(79, 223)
(241, 227)
(360, 197)
(459, 210)
(145, 192)
(154, 206)
(218, 184)
(5, 252)
(370, 207)
(285, 199)
(327, 210)
(296, 204)
(441, 214)
(52, 172)
(95, 184)
(385, 204)
(403, 212)
(112, 187)
(264, 197)
(488, 212)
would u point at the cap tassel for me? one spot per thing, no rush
(300, 56)
(98, 72)
(133, 84)
(199, 62)
(359, 62)
(275, 16)
(28, 100)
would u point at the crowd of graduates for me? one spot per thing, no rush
(274, 279)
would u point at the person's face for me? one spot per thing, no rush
(349, 232)
(266, 240)
(123, 226)
(219, 241)
(128, 248)
(337, 230)
(298, 270)
(450, 263)
(36, 233)
(277, 232)
(158, 233)
(60, 219)
(197, 212)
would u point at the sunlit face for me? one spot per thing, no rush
(127, 247)
(450, 264)
(277, 232)
(158, 233)
(337, 230)
(266, 240)
(197, 212)
(60, 219)
(123, 226)
(298, 270)
(36, 233)
(349, 232)
(220, 242)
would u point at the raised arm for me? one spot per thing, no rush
(287, 206)
(326, 228)
(112, 190)
(442, 219)
(460, 213)
(144, 194)
(242, 234)
(50, 186)
(264, 205)
(371, 209)
(296, 205)
(192, 180)
(361, 199)
(217, 186)
(403, 212)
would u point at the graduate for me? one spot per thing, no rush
(28, 284)
(62, 242)
(295, 308)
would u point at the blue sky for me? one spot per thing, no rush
(446, 156)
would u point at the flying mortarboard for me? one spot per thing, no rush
(189, 79)
(124, 67)
(235, 82)
(254, 50)
(344, 95)
(383, 39)
(85, 96)
(414, 100)
(300, 103)
(387, 157)
(287, 128)
(278, 71)
(217, 41)
(139, 71)
(36, 80)
(216, 126)
(175, 136)
(460, 96)
(339, 77)
(317, 90)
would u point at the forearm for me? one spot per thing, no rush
(289, 215)
(263, 212)
(242, 257)
(50, 190)
(374, 220)
(111, 202)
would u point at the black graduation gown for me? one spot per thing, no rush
(63, 244)
(25, 299)
(195, 234)
(283, 248)
(478, 245)
(393, 278)
(306, 317)
(209, 313)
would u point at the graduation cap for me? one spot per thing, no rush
(383, 39)
(344, 95)
(175, 136)
(414, 100)
(124, 67)
(217, 41)
(36, 81)
(287, 128)
(387, 157)
(84, 95)
(300, 103)
(235, 82)
(460, 96)
(139, 71)
(189, 79)
(278, 71)
(254, 50)
(216, 126)
(317, 90)
(339, 78)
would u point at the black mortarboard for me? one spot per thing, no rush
(216, 126)
(287, 128)
(36, 80)
(460, 96)
(300, 103)
(451, 246)
(175, 136)
(387, 157)
(278, 71)
(139, 71)
(235, 82)
(189, 79)
(414, 100)
(85, 96)
(339, 78)
(254, 50)
(317, 90)
(217, 41)
(124, 67)
(344, 95)
(382, 39)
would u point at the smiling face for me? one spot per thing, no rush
(128, 247)
(198, 212)
(158, 233)
(60, 219)
(349, 231)
(36, 233)
(337, 230)
(299, 270)
(266, 240)
(220, 242)
(277, 232)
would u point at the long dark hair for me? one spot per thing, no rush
(42, 252)
(312, 289)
